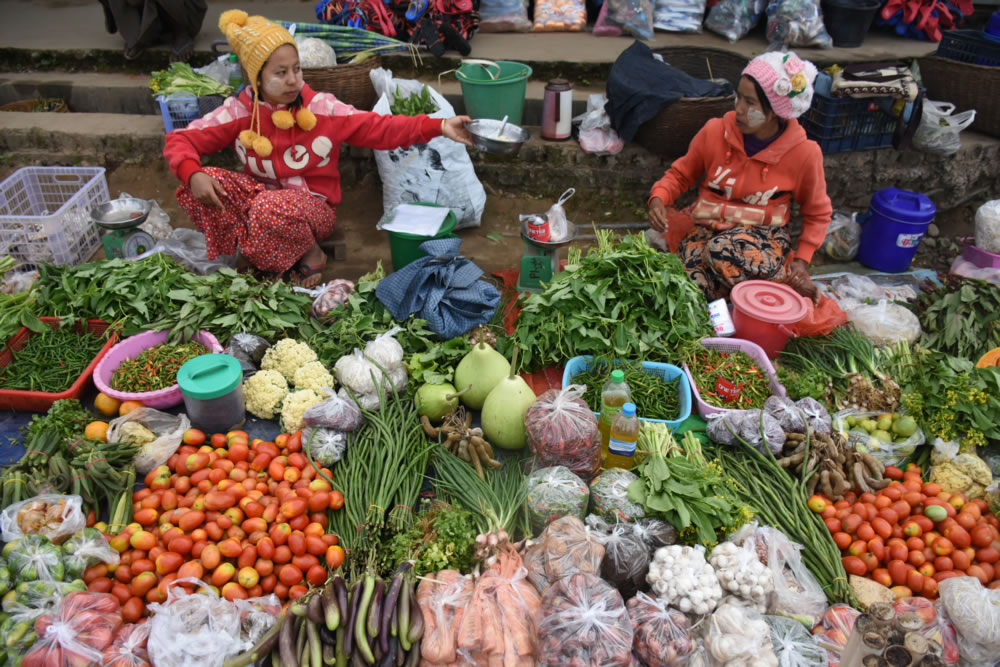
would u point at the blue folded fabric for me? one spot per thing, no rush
(442, 288)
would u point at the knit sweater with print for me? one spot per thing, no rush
(790, 168)
(300, 160)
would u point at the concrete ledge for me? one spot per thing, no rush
(540, 168)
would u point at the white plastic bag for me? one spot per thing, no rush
(738, 635)
(678, 15)
(663, 635)
(843, 237)
(439, 172)
(325, 444)
(188, 248)
(733, 19)
(61, 516)
(327, 298)
(334, 412)
(888, 453)
(596, 135)
(939, 128)
(885, 323)
(988, 226)
(792, 643)
(193, 629)
(796, 23)
(975, 613)
(168, 429)
(558, 224)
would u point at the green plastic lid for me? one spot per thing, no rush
(617, 375)
(232, 57)
(210, 376)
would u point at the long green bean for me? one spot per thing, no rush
(50, 361)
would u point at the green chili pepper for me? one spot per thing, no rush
(154, 368)
(50, 361)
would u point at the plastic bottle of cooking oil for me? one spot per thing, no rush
(624, 435)
(614, 395)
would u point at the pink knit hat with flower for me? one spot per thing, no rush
(786, 79)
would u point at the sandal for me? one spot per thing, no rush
(301, 273)
(132, 52)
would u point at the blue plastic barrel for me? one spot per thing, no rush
(893, 228)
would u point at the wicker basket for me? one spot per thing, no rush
(31, 105)
(670, 131)
(350, 83)
(967, 86)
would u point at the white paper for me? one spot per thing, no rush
(418, 220)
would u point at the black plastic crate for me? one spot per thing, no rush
(842, 124)
(969, 46)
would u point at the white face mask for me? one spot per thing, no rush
(755, 118)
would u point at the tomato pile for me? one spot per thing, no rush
(249, 518)
(911, 535)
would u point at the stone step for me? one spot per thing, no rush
(90, 92)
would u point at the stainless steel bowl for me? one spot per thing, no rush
(485, 133)
(121, 213)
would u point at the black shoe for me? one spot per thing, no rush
(426, 33)
(453, 38)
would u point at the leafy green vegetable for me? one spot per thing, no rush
(181, 78)
(437, 364)
(799, 384)
(676, 483)
(442, 537)
(623, 299)
(67, 416)
(413, 104)
(961, 318)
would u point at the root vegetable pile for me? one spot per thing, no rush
(465, 442)
(833, 467)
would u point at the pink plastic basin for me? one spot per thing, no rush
(133, 347)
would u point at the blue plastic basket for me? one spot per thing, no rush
(179, 111)
(842, 124)
(667, 372)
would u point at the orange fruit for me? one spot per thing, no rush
(106, 405)
(96, 430)
(129, 406)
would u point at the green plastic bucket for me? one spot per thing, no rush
(405, 248)
(494, 89)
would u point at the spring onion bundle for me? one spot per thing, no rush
(348, 41)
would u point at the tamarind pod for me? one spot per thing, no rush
(873, 465)
(824, 483)
(812, 483)
(879, 484)
(474, 454)
(859, 477)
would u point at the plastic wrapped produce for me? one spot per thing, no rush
(560, 16)
(626, 559)
(832, 634)
(635, 17)
(885, 323)
(443, 598)
(78, 635)
(499, 624)
(609, 496)
(553, 493)
(564, 548)
(248, 349)
(654, 533)
(796, 23)
(584, 622)
(129, 647)
(325, 444)
(988, 226)
(334, 412)
(52, 515)
(937, 628)
(35, 558)
(193, 629)
(385, 350)
(739, 636)
(975, 613)
(741, 573)
(562, 431)
(889, 447)
(792, 644)
(678, 15)
(733, 19)
(785, 411)
(503, 16)
(755, 427)
(683, 578)
(662, 635)
(843, 237)
(86, 549)
(816, 415)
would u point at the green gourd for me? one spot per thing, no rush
(478, 372)
(504, 410)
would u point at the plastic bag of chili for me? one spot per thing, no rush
(562, 431)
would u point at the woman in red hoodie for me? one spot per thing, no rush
(288, 138)
(752, 163)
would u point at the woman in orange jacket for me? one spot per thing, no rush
(752, 163)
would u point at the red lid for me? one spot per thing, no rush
(769, 302)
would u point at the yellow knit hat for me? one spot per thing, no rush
(254, 39)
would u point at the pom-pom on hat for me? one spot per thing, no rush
(786, 79)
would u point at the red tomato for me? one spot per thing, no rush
(291, 575)
(897, 570)
(943, 546)
(852, 564)
(842, 540)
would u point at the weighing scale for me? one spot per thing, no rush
(540, 261)
(121, 218)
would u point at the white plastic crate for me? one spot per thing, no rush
(45, 214)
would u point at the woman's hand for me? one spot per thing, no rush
(206, 189)
(799, 280)
(657, 214)
(715, 225)
(454, 128)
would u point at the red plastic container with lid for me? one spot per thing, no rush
(764, 311)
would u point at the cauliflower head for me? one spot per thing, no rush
(134, 433)
(313, 376)
(294, 407)
(286, 357)
(263, 392)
